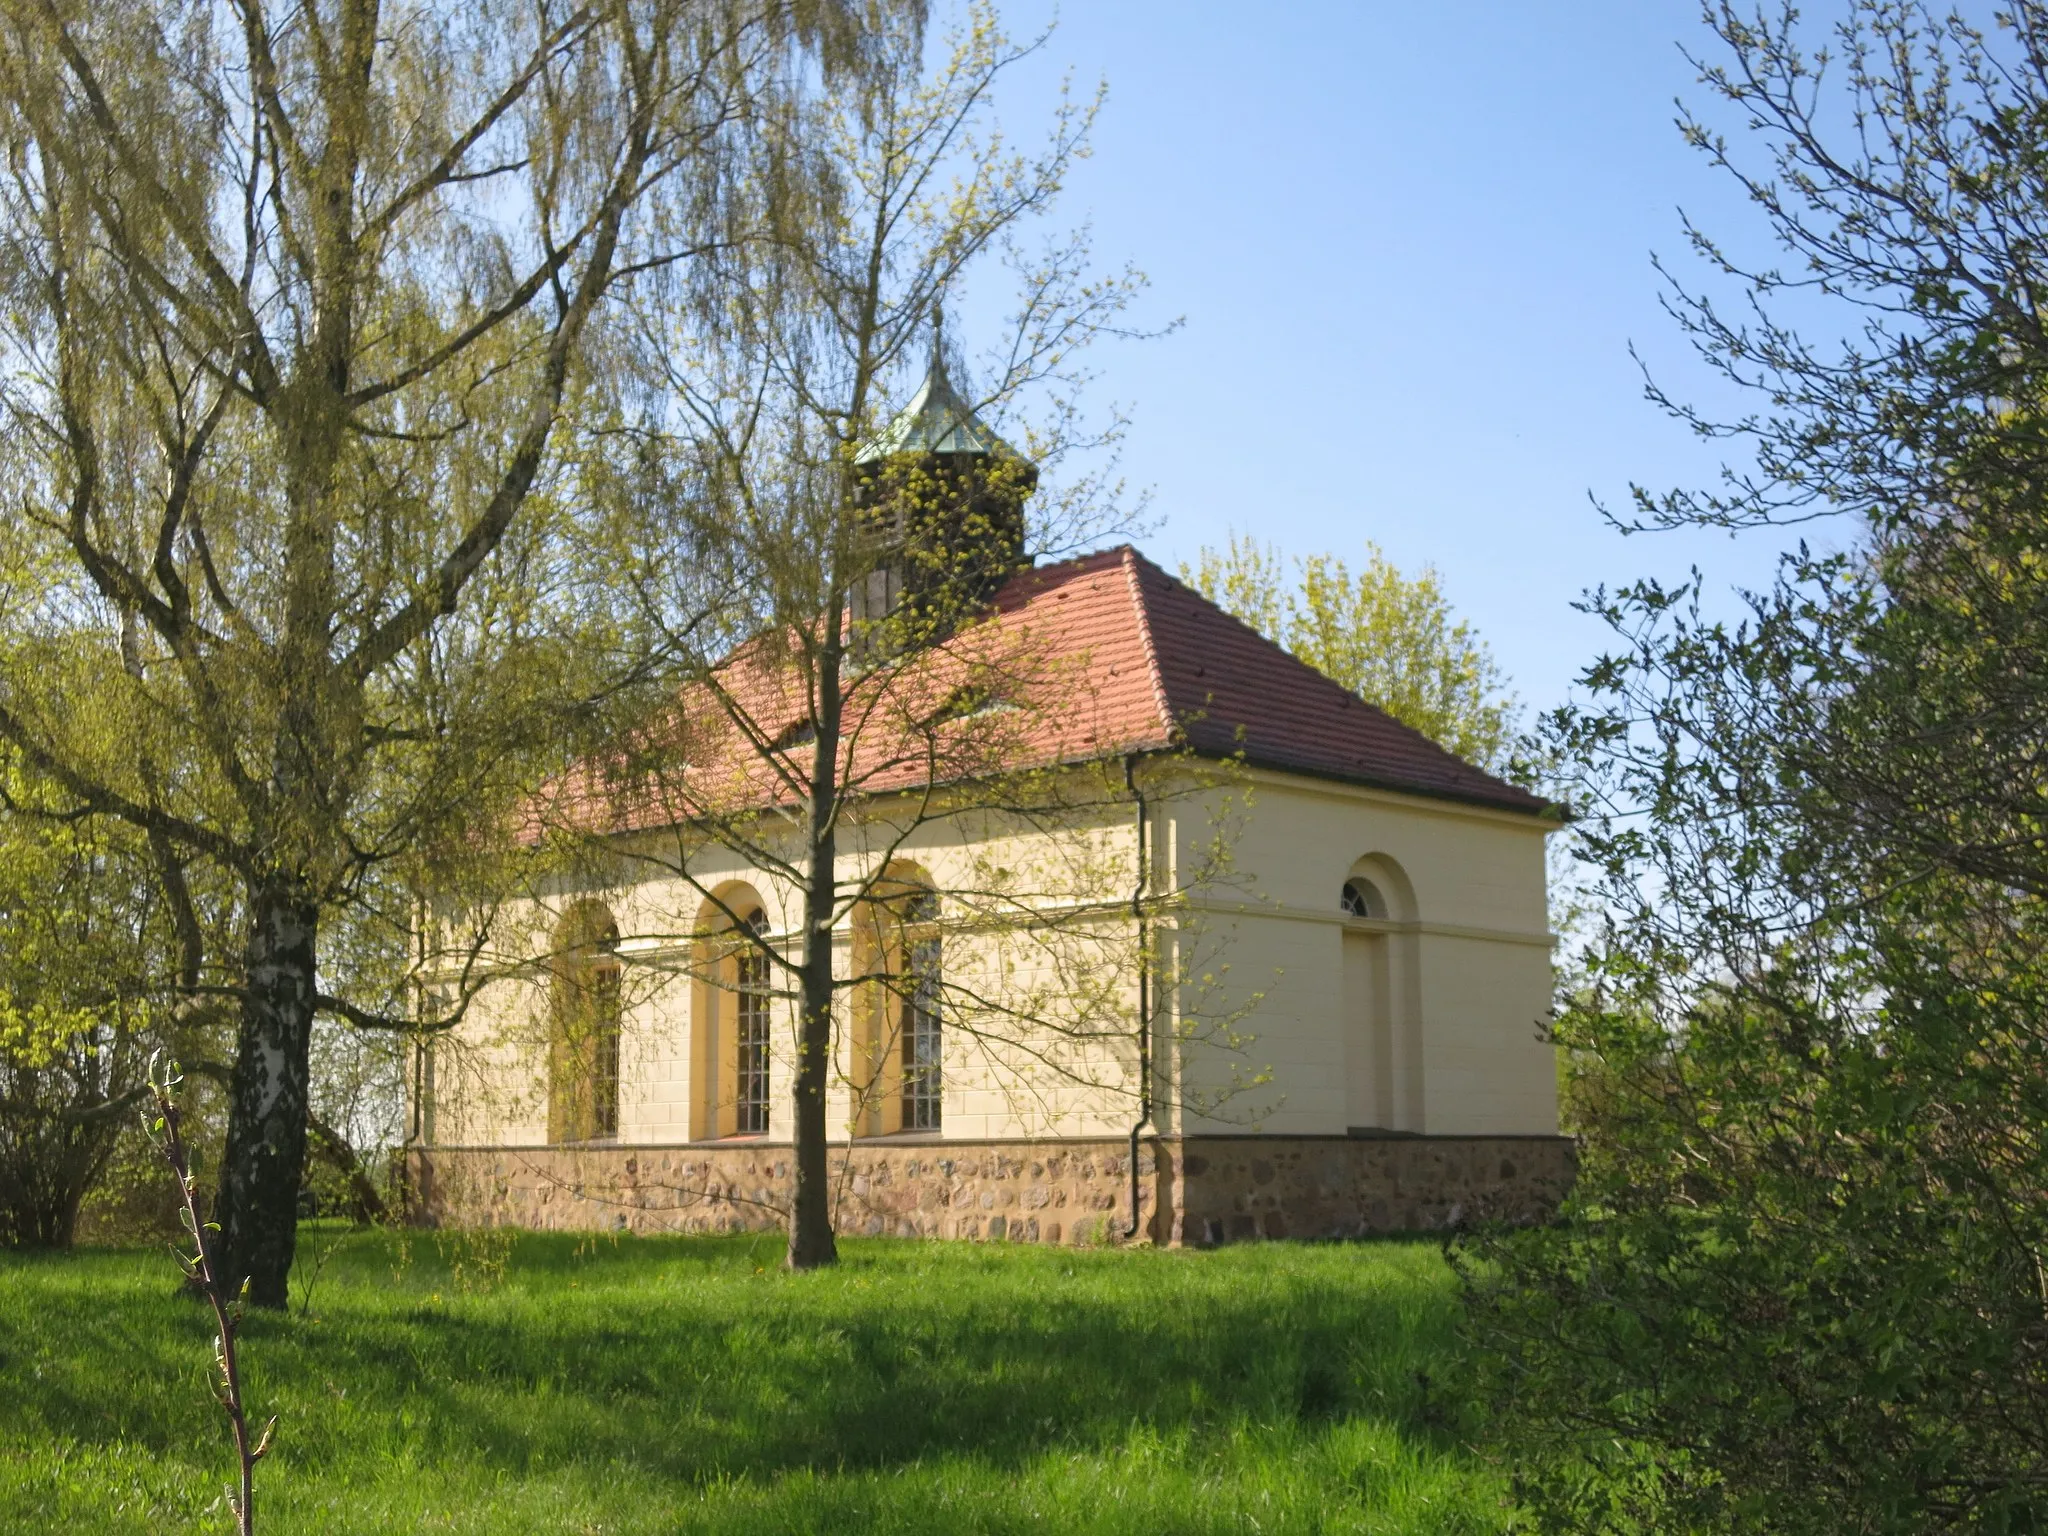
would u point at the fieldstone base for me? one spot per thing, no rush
(1191, 1191)
(1224, 1189)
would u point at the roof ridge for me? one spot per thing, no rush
(1113, 555)
(1148, 642)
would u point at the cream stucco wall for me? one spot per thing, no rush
(1466, 946)
(491, 1073)
(1447, 1044)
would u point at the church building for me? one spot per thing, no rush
(1296, 985)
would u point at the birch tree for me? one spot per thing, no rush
(304, 306)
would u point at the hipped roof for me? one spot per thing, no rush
(936, 420)
(1112, 655)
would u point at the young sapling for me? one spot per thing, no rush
(200, 1269)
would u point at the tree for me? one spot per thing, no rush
(86, 938)
(1389, 638)
(826, 599)
(1798, 1287)
(302, 303)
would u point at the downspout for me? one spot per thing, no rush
(1144, 982)
(419, 1093)
(422, 915)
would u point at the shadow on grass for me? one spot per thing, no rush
(695, 1359)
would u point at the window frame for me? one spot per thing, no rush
(753, 1094)
(921, 1021)
(1371, 904)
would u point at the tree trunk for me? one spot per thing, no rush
(268, 1097)
(811, 1242)
(810, 1217)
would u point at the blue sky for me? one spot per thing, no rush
(1411, 244)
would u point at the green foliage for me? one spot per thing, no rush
(87, 951)
(1800, 1284)
(675, 1385)
(1391, 639)
(1797, 1286)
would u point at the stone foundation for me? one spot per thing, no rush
(1194, 1191)
(1224, 1189)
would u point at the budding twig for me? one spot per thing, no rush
(199, 1267)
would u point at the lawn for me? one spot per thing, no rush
(551, 1384)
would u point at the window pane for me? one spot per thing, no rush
(752, 1088)
(604, 1074)
(1362, 898)
(922, 1084)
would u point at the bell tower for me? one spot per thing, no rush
(941, 500)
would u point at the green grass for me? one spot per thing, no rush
(547, 1384)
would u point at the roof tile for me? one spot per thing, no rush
(1130, 659)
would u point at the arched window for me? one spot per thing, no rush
(583, 1048)
(1362, 898)
(1382, 1004)
(923, 1023)
(898, 1036)
(750, 1109)
(732, 997)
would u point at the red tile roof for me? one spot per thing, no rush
(1117, 657)
(1222, 688)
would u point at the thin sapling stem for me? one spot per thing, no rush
(227, 1310)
